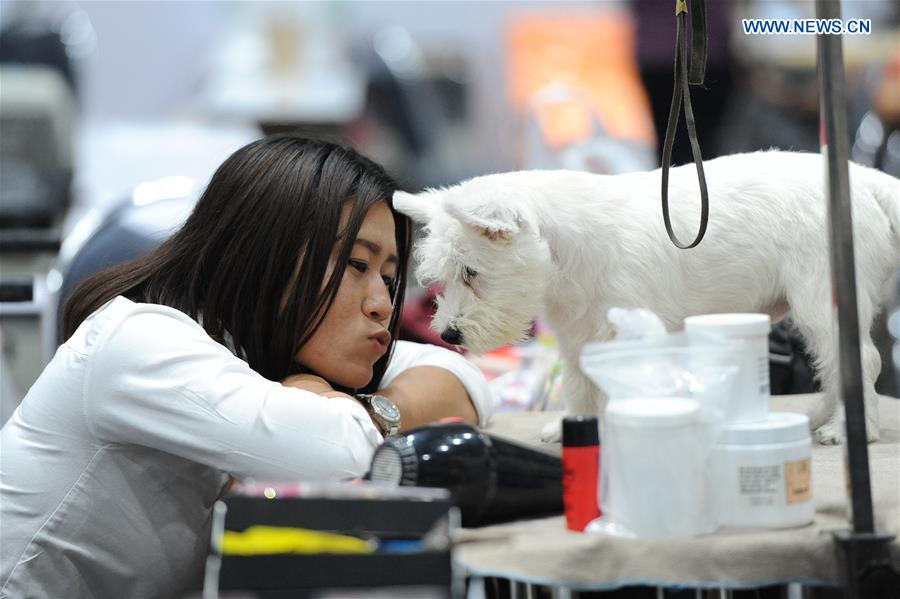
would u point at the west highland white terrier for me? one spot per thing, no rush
(570, 245)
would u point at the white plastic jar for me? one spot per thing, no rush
(654, 462)
(750, 398)
(763, 473)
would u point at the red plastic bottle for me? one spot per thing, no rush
(581, 470)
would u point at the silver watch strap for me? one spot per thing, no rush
(387, 428)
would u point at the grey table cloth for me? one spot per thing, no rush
(543, 552)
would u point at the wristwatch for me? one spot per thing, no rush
(383, 411)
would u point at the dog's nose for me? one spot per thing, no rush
(451, 336)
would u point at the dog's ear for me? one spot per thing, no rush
(421, 207)
(495, 221)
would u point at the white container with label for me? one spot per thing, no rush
(750, 401)
(654, 467)
(763, 473)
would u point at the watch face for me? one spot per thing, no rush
(385, 408)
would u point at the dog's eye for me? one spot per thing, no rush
(469, 274)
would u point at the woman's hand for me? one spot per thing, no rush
(315, 384)
(308, 382)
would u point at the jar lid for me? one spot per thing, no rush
(652, 412)
(779, 427)
(730, 325)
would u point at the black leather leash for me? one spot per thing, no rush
(682, 91)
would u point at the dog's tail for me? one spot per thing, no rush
(886, 190)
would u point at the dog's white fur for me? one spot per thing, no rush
(570, 245)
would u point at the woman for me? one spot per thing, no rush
(236, 349)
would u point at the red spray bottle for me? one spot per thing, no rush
(581, 470)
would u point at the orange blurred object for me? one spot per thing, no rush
(886, 98)
(590, 52)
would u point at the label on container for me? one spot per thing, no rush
(759, 485)
(762, 373)
(797, 475)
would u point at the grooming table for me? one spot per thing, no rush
(543, 552)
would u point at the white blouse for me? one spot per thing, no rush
(111, 464)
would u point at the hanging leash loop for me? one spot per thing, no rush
(681, 93)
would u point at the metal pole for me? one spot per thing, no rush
(866, 554)
(833, 121)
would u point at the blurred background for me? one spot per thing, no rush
(114, 114)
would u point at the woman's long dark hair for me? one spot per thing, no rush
(231, 266)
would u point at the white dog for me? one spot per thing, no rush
(570, 245)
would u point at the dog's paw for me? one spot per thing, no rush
(829, 433)
(552, 432)
(872, 433)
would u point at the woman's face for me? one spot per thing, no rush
(353, 334)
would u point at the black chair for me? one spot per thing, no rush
(133, 229)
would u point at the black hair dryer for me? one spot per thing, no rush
(489, 479)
